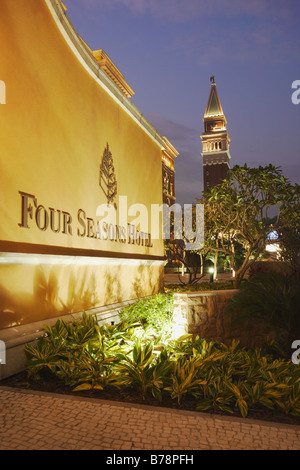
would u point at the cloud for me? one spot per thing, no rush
(175, 130)
(262, 41)
(186, 10)
(188, 165)
(217, 31)
(181, 136)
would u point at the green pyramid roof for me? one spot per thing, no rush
(213, 107)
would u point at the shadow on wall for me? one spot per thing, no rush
(145, 279)
(83, 292)
(112, 288)
(21, 307)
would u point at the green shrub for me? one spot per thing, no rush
(86, 356)
(155, 313)
(143, 369)
(273, 298)
(203, 286)
(184, 378)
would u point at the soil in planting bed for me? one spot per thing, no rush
(49, 383)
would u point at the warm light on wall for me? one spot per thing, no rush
(10, 259)
(2, 92)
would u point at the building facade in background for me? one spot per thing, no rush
(168, 173)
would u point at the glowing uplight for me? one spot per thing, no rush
(273, 248)
(178, 330)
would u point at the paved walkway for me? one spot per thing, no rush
(31, 420)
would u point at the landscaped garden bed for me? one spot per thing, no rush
(139, 361)
(202, 286)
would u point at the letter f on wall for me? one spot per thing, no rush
(2, 92)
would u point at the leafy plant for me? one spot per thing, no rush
(187, 345)
(273, 298)
(237, 213)
(227, 378)
(155, 313)
(143, 370)
(184, 377)
(291, 402)
(43, 355)
(214, 396)
(95, 373)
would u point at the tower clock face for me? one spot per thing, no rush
(213, 125)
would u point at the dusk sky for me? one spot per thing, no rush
(168, 49)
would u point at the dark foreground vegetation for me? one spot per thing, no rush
(138, 360)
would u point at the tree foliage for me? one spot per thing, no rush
(273, 298)
(238, 211)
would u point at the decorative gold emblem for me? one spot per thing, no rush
(108, 182)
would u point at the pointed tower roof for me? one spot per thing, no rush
(215, 141)
(214, 107)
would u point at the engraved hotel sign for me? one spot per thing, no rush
(108, 181)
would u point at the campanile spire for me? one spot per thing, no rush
(215, 140)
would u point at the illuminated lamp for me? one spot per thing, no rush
(211, 274)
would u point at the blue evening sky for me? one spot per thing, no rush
(168, 49)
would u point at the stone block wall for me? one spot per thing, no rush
(202, 314)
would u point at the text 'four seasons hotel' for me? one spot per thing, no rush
(72, 144)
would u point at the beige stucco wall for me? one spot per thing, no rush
(54, 128)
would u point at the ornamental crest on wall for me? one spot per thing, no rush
(108, 182)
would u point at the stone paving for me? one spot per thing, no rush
(31, 420)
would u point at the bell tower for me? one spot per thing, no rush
(215, 140)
